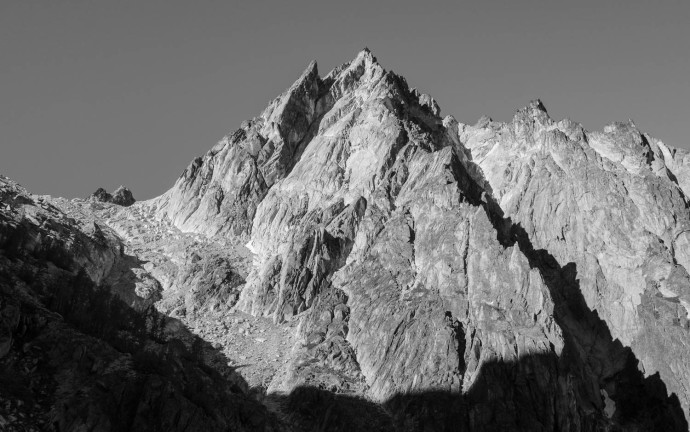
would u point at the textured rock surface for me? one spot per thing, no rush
(369, 265)
(83, 348)
(389, 236)
(614, 204)
(121, 196)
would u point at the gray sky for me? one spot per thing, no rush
(98, 94)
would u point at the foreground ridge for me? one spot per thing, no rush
(350, 260)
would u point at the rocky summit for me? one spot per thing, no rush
(121, 196)
(350, 260)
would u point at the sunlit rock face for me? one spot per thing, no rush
(427, 274)
(614, 204)
(418, 252)
(219, 193)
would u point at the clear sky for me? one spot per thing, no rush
(98, 94)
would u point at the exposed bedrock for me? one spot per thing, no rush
(467, 246)
(429, 275)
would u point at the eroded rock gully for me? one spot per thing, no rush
(349, 260)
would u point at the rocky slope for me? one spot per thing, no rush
(82, 346)
(350, 260)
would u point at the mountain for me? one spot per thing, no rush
(351, 260)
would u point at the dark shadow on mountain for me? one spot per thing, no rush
(81, 358)
(639, 401)
(526, 395)
(594, 384)
(590, 350)
(503, 398)
(108, 365)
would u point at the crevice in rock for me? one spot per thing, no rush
(460, 340)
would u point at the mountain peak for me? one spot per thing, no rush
(365, 57)
(535, 109)
(382, 239)
(531, 116)
(366, 52)
(310, 73)
(537, 104)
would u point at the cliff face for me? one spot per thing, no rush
(614, 204)
(372, 265)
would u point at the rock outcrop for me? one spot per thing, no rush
(426, 274)
(121, 196)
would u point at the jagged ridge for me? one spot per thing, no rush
(360, 145)
(520, 276)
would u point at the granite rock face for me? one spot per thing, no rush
(419, 253)
(426, 274)
(219, 193)
(614, 204)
